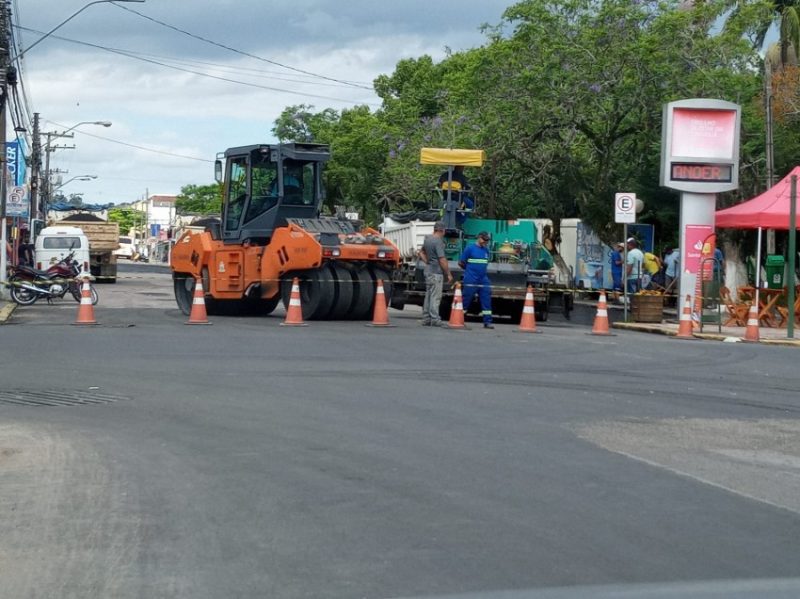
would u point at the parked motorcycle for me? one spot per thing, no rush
(29, 284)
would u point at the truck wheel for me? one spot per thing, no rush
(567, 302)
(541, 310)
(446, 307)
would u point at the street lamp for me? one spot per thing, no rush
(100, 123)
(61, 24)
(78, 178)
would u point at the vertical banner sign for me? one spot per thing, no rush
(17, 200)
(699, 244)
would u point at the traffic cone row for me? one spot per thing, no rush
(528, 322)
(294, 313)
(686, 325)
(601, 325)
(198, 314)
(457, 311)
(751, 334)
(86, 309)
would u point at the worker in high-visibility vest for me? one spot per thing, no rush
(475, 261)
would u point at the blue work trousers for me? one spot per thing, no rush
(484, 290)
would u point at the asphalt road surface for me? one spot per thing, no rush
(145, 458)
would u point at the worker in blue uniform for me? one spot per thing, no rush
(475, 261)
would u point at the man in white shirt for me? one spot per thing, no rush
(634, 265)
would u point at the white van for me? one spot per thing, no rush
(54, 243)
(126, 248)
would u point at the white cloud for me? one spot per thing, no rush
(182, 113)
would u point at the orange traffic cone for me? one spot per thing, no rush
(457, 311)
(294, 313)
(751, 334)
(528, 322)
(600, 326)
(380, 314)
(198, 315)
(86, 309)
(686, 324)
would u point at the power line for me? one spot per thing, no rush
(133, 56)
(243, 53)
(143, 148)
(262, 73)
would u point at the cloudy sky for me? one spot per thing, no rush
(112, 68)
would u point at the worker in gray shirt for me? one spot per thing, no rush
(433, 257)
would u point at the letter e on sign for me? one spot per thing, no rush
(625, 208)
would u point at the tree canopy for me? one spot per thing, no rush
(565, 97)
(199, 199)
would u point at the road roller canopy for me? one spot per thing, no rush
(451, 157)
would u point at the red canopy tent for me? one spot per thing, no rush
(770, 210)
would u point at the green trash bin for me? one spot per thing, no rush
(774, 267)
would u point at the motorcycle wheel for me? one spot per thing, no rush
(21, 296)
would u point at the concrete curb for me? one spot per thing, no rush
(643, 328)
(6, 311)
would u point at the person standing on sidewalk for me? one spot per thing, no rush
(634, 266)
(436, 269)
(616, 269)
(475, 260)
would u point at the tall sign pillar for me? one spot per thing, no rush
(699, 158)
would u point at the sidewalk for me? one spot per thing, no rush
(6, 308)
(771, 336)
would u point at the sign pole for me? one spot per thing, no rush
(792, 255)
(625, 271)
(624, 213)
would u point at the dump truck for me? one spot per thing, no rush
(103, 241)
(271, 231)
(518, 260)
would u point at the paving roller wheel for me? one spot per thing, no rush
(345, 288)
(317, 292)
(363, 295)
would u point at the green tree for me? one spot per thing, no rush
(127, 217)
(199, 199)
(300, 123)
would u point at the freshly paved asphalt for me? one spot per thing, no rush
(246, 459)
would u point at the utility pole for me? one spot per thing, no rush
(770, 145)
(5, 44)
(47, 189)
(36, 171)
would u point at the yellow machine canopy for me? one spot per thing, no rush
(451, 157)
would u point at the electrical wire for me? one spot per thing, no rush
(17, 44)
(261, 73)
(133, 56)
(137, 147)
(243, 53)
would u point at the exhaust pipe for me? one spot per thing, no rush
(35, 289)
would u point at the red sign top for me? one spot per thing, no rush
(704, 133)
